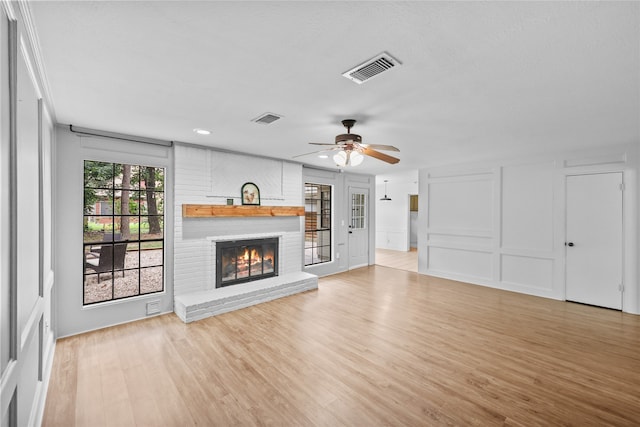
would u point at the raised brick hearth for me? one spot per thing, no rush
(199, 305)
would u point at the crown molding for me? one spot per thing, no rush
(36, 55)
(7, 6)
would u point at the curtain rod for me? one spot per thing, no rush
(114, 135)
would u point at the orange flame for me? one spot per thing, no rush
(254, 255)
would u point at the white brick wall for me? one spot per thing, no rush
(193, 266)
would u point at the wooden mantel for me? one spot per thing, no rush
(220, 211)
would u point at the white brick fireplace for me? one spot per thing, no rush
(205, 176)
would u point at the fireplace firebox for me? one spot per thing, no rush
(241, 261)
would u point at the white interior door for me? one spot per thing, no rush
(358, 227)
(594, 239)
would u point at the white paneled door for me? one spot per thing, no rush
(594, 239)
(358, 227)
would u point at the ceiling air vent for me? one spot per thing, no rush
(266, 118)
(371, 68)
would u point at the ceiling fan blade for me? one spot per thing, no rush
(315, 152)
(380, 156)
(381, 147)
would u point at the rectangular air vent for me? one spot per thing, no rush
(371, 68)
(153, 307)
(266, 118)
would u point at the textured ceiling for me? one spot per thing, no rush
(478, 80)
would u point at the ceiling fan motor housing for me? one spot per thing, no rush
(348, 137)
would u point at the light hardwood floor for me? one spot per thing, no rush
(398, 259)
(374, 346)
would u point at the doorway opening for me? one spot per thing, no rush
(413, 222)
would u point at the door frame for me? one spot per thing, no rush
(623, 224)
(368, 222)
(623, 158)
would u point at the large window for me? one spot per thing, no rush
(123, 228)
(317, 241)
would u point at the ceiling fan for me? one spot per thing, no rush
(350, 148)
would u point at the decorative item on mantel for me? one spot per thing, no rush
(250, 194)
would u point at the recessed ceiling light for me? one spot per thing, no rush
(323, 156)
(202, 131)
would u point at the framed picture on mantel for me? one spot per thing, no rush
(250, 194)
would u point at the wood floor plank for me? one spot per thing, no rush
(65, 364)
(89, 384)
(372, 346)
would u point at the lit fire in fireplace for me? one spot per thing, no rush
(247, 262)
(252, 261)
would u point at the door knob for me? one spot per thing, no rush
(569, 244)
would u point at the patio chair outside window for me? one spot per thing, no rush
(110, 259)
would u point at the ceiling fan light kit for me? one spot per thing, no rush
(356, 158)
(348, 158)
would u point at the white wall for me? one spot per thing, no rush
(72, 149)
(502, 224)
(393, 220)
(27, 281)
